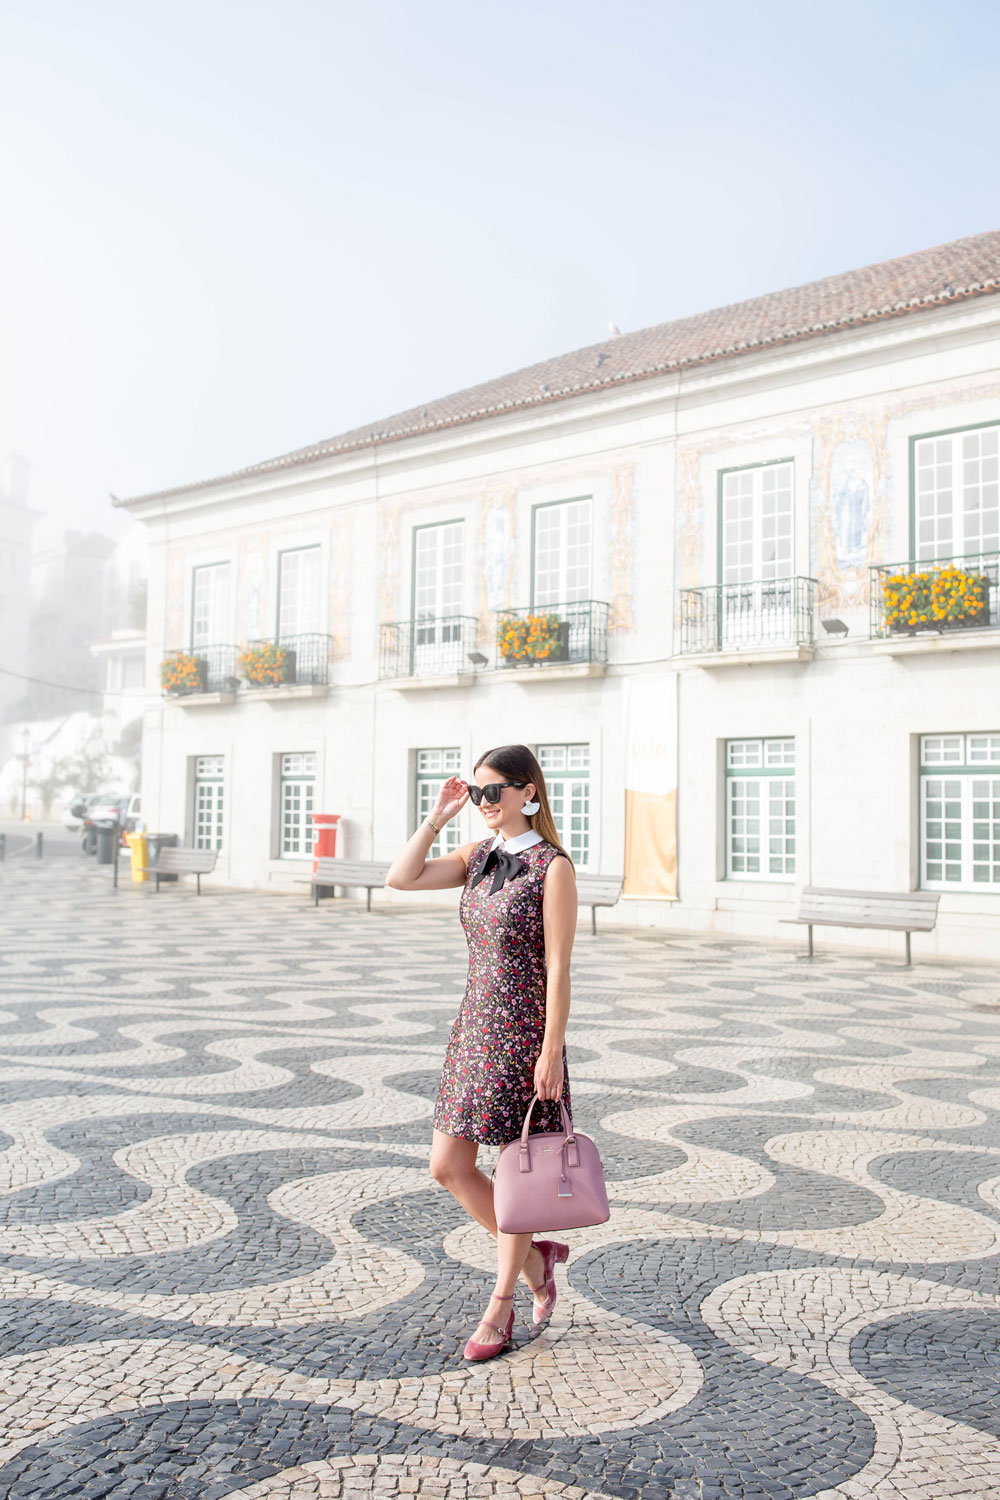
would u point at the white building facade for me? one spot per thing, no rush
(757, 508)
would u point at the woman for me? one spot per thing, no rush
(518, 909)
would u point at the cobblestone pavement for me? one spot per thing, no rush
(227, 1273)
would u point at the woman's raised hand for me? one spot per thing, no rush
(452, 797)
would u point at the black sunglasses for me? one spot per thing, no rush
(491, 791)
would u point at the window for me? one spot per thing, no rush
(960, 812)
(210, 605)
(437, 596)
(760, 809)
(433, 769)
(561, 553)
(755, 523)
(956, 490)
(298, 780)
(567, 781)
(300, 604)
(208, 802)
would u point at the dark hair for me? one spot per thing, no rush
(516, 763)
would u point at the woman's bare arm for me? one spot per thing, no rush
(559, 908)
(411, 870)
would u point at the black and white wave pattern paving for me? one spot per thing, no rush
(226, 1271)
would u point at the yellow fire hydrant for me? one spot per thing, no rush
(138, 845)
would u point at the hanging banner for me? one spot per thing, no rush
(651, 787)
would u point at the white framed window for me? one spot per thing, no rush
(433, 769)
(208, 801)
(960, 812)
(300, 598)
(562, 552)
(297, 790)
(956, 493)
(760, 809)
(437, 595)
(210, 605)
(755, 522)
(567, 780)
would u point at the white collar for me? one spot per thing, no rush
(518, 842)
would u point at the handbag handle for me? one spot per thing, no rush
(566, 1120)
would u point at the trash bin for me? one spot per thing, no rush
(325, 828)
(139, 854)
(158, 841)
(107, 838)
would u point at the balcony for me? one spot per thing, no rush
(291, 666)
(944, 604)
(202, 674)
(769, 619)
(554, 639)
(435, 648)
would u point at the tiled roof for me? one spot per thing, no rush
(949, 273)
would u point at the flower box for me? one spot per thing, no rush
(183, 672)
(946, 598)
(526, 640)
(267, 665)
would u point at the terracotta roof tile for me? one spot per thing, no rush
(949, 273)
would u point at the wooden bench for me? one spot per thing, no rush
(598, 890)
(331, 872)
(196, 862)
(905, 911)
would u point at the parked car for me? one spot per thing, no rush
(106, 811)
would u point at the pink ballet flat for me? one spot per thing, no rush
(488, 1351)
(552, 1252)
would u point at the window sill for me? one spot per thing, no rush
(287, 690)
(200, 700)
(752, 656)
(421, 684)
(952, 640)
(554, 672)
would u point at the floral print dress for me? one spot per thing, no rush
(489, 1068)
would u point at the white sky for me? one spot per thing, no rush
(232, 227)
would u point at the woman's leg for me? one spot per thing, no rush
(453, 1165)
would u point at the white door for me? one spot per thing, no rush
(756, 598)
(437, 599)
(210, 606)
(562, 553)
(299, 595)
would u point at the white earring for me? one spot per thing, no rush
(529, 808)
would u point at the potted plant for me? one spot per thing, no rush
(266, 664)
(183, 672)
(528, 639)
(936, 599)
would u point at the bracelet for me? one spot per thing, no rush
(433, 824)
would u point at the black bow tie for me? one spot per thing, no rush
(507, 867)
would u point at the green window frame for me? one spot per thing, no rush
(760, 809)
(960, 812)
(297, 786)
(566, 769)
(209, 801)
(434, 766)
(955, 492)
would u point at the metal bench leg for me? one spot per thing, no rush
(157, 885)
(810, 942)
(368, 893)
(197, 876)
(593, 921)
(907, 950)
(315, 895)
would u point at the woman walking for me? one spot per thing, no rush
(518, 909)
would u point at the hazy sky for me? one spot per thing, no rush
(232, 227)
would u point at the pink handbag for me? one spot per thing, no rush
(549, 1181)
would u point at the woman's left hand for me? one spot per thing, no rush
(549, 1077)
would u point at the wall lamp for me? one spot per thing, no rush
(834, 626)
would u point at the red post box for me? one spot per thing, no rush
(325, 847)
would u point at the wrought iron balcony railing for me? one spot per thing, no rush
(436, 646)
(300, 660)
(202, 669)
(546, 633)
(764, 614)
(936, 595)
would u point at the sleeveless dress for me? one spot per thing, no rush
(489, 1066)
